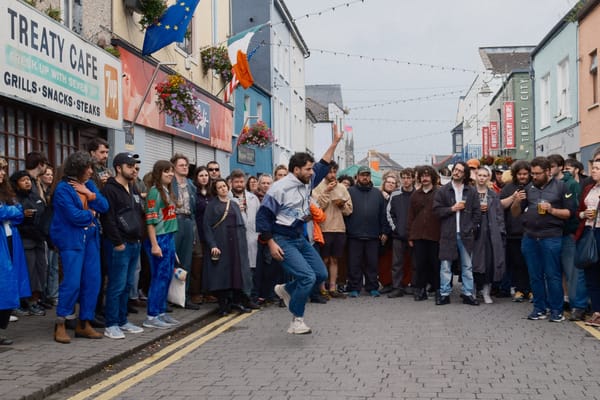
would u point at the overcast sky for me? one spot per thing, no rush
(439, 32)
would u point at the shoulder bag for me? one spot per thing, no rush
(586, 254)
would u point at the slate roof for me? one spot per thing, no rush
(502, 60)
(319, 111)
(385, 161)
(326, 94)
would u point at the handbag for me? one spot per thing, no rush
(586, 253)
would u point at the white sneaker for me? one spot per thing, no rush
(113, 332)
(13, 318)
(131, 328)
(298, 327)
(283, 294)
(487, 299)
(168, 319)
(156, 323)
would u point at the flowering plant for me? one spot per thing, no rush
(176, 99)
(258, 135)
(151, 11)
(486, 160)
(216, 58)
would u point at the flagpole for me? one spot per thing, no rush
(129, 141)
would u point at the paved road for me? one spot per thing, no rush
(369, 348)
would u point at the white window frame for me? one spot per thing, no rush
(545, 101)
(562, 89)
(259, 111)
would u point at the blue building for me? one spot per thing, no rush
(554, 63)
(251, 105)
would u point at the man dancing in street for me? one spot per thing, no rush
(280, 221)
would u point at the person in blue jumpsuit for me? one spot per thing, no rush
(74, 231)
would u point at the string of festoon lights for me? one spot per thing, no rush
(388, 120)
(409, 100)
(400, 140)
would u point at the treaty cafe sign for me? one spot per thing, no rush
(45, 64)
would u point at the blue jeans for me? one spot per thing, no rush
(578, 297)
(161, 272)
(305, 265)
(121, 269)
(545, 274)
(466, 271)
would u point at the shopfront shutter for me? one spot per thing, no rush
(158, 147)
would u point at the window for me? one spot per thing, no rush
(247, 110)
(594, 75)
(215, 27)
(562, 85)
(545, 101)
(71, 15)
(259, 111)
(186, 45)
(23, 131)
(458, 142)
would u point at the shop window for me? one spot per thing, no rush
(23, 130)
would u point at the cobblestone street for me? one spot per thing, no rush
(378, 348)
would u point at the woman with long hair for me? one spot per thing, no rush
(226, 270)
(14, 279)
(161, 222)
(74, 231)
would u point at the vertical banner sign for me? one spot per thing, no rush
(509, 125)
(485, 138)
(494, 135)
(45, 64)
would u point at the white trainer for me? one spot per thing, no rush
(487, 299)
(131, 328)
(298, 327)
(114, 332)
(283, 294)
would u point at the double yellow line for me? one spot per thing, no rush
(125, 379)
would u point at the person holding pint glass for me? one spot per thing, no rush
(545, 204)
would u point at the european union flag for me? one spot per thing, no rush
(171, 27)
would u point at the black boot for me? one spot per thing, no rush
(420, 294)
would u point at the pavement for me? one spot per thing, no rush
(35, 366)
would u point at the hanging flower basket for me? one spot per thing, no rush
(257, 135)
(176, 99)
(216, 58)
(151, 11)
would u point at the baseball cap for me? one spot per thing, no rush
(473, 163)
(363, 170)
(126, 158)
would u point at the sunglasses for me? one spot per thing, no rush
(213, 169)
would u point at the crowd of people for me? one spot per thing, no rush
(98, 243)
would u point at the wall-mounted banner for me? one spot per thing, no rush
(45, 64)
(485, 140)
(494, 145)
(509, 125)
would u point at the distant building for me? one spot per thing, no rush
(325, 104)
(589, 89)
(554, 65)
(381, 162)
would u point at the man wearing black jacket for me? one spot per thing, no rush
(366, 227)
(122, 228)
(397, 215)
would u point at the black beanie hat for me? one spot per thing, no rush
(14, 178)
